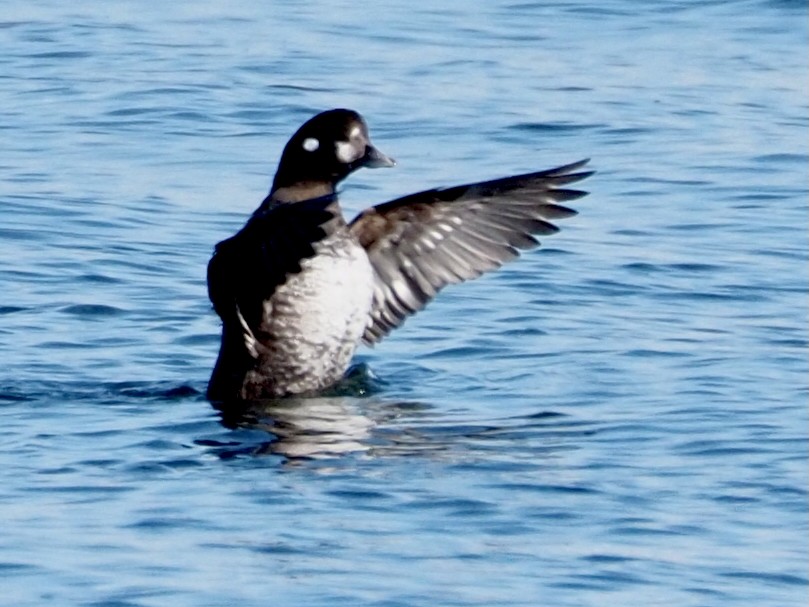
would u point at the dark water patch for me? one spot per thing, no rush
(21, 234)
(633, 232)
(121, 602)
(717, 449)
(764, 490)
(693, 112)
(61, 55)
(671, 182)
(637, 530)
(544, 416)
(92, 311)
(29, 177)
(47, 390)
(99, 279)
(67, 345)
(155, 391)
(190, 116)
(17, 568)
(618, 132)
(767, 578)
(781, 158)
(259, 450)
(464, 63)
(276, 549)
(89, 463)
(104, 127)
(724, 294)
(523, 488)
(453, 505)
(136, 111)
(573, 89)
(358, 495)
(14, 395)
(610, 580)
(655, 268)
(649, 353)
(737, 499)
(162, 466)
(11, 309)
(608, 559)
(543, 429)
(551, 128)
(164, 92)
(290, 87)
(160, 524)
(252, 115)
(209, 442)
(84, 493)
(791, 343)
(198, 340)
(13, 24)
(612, 287)
(701, 227)
(525, 331)
(455, 352)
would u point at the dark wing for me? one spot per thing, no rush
(247, 268)
(421, 243)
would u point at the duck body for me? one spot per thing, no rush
(309, 328)
(298, 288)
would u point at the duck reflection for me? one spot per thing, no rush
(334, 426)
(356, 418)
(343, 421)
(315, 427)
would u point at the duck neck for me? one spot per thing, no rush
(300, 191)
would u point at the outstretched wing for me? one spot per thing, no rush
(420, 243)
(246, 269)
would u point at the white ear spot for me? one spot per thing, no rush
(310, 144)
(346, 152)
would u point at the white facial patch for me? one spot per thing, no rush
(310, 144)
(347, 152)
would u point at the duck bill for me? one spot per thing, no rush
(374, 159)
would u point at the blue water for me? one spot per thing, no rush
(618, 418)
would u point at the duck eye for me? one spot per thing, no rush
(310, 144)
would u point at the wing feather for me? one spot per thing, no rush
(420, 243)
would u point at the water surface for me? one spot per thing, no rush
(617, 418)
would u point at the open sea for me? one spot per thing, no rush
(617, 418)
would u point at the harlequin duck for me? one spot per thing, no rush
(298, 289)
